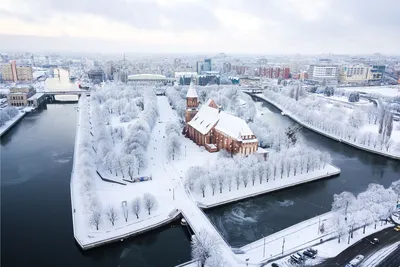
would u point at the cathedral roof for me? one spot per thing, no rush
(192, 91)
(225, 122)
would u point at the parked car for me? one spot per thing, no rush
(275, 265)
(314, 251)
(397, 228)
(309, 254)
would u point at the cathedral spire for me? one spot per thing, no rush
(192, 91)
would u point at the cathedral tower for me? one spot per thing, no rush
(192, 104)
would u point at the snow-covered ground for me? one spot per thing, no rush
(11, 122)
(344, 100)
(364, 142)
(114, 194)
(266, 187)
(391, 91)
(378, 256)
(373, 128)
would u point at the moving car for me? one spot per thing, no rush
(397, 228)
(275, 265)
(356, 261)
(374, 241)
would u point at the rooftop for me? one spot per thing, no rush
(192, 91)
(146, 77)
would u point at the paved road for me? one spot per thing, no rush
(393, 260)
(364, 247)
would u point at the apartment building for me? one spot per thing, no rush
(14, 72)
(328, 73)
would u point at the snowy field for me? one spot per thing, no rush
(391, 91)
(265, 187)
(344, 100)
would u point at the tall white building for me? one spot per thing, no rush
(355, 74)
(323, 73)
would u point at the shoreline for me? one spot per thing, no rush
(263, 190)
(289, 115)
(14, 121)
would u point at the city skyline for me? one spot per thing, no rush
(193, 26)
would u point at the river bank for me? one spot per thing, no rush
(296, 119)
(266, 187)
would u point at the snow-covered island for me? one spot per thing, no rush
(135, 169)
(366, 127)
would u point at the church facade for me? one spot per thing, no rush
(215, 129)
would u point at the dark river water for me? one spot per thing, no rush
(246, 221)
(36, 225)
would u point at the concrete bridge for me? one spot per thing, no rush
(252, 90)
(66, 92)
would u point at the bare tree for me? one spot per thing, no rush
(136, 206)
(125, 210)
(229, 181)
(221, 180)
(295, 164)
(202, 186)
(261, 171)
(237, 179)
(267, 171)
(245, 177)
(288, 166)
(95, 219)
(112, 214)
(282, 167)
(150, 202)
(212, 179)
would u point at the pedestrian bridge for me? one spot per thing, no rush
(252, 90)
(66, 92)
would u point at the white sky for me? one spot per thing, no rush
(230, 26)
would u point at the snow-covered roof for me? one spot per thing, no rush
(205, 119)
(192, 91)
(36, 96)
(226, 123)
(146, 77)
(233, 126)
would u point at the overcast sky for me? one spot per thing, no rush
(230, 26)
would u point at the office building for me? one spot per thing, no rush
(328, 73)
(203, 66)
(19, 95)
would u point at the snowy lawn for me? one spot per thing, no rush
(266, 187)
(382, 90)
(344, 100)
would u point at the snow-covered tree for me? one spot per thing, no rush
(149, 201)
(112, 214)
(202, 185)
(95, 219)
(136, 206)
(174, 145)
(221, 181)
(212, 179)
(203, 244)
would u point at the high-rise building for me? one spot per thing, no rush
(203, 66)
(323, 73)
(13, 72)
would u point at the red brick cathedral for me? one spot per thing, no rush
(215, 129)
